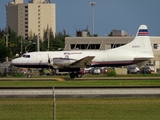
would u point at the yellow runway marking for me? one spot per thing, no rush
(60, 79)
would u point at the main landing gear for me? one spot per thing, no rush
(77, 74)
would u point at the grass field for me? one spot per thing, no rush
(80, 109)
(48, 83)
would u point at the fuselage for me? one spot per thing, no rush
(102, 58)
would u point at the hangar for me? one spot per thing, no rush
(104, 43)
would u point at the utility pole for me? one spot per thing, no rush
(48, 35)
(6, 69)
(92, 4)
(21, 46)
(6, 36)
(38, 47)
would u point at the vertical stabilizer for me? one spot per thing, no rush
(141, 45)
(142, 31)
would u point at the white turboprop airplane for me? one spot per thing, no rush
(136, 51)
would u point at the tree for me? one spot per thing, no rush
(3, 51)
(56, 42)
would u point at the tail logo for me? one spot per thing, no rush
(143, 32)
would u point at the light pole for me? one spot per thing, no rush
(92, 4)
(6, 36)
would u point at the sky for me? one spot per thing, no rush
(127, 15)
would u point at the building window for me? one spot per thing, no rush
(26, 38)
(26, 6)
(26, 26)
(85, 46)
(26, 30)
(26, 10)
(26, 22)
(94, 46)
(72, 46)
(155, 46)
(26, 18)
(26, 14)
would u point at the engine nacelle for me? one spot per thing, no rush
(61, 62)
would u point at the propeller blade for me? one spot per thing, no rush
(49, 61)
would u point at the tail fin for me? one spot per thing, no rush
(142, 31)
(141, 44)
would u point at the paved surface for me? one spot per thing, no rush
(79, 92)
(75, 92)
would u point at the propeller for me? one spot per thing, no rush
(49, 61)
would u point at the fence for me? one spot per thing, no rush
(78, 107)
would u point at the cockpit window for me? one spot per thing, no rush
(26, 56)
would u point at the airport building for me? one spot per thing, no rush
(32, 18)
(104, 43)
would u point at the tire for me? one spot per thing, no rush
(78, 75)
(29, 75)
(72, 75)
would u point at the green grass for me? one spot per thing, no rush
(26, 109)
(80, 109)
(48, 83)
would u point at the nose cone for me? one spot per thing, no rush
(15, 62)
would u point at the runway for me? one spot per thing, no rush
(78, 92)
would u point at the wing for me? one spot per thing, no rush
(82, 63)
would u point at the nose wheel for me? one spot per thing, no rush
(29, 75)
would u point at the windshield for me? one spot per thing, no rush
(26, 56)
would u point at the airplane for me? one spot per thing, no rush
(138, 50)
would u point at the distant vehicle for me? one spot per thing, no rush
(83, 71)
(105, 70)
(145, 70)
(133, 70)
(87, 70)
(152, 67)
(95, 71)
